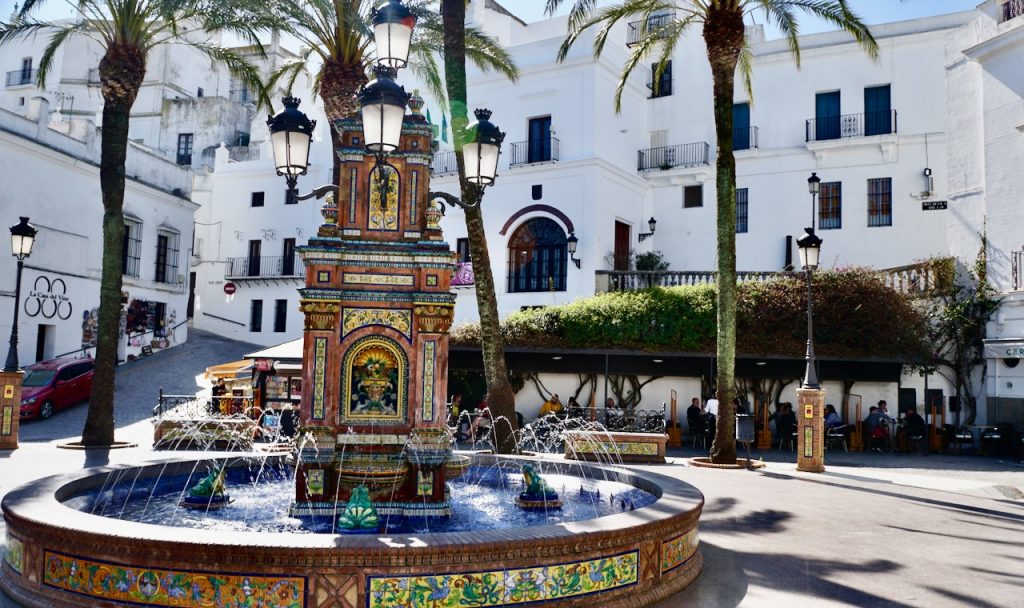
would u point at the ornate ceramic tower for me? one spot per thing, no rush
(378, 310)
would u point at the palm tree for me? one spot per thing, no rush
(723, 25)
(127, 30)
(338, 35)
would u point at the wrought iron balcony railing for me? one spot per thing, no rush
(1013, 8)
(266, 267)
(444, 163)
(22, 77)
(543, 150)
(850, 125)
(655, 25)
(744, 138)
(667, 157)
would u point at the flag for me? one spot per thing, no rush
(444, 128)
(428, 117)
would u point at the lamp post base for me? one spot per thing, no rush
(10, 408)
(810, 430)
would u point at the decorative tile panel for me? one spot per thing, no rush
(399, 280)
(431, 280)
(429, 367)
(356, 318)
(630, 448)
(352, 187)
(414, 191)
(679, 550)
(319, 378)
(504, 587)
(178, 588)
(374, 381)
(15, 554)
(323, 276)
(384, 206)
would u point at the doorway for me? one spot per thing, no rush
(46, 336)
(621, 251)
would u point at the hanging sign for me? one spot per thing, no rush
(933, 205)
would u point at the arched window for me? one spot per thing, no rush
(537, 255)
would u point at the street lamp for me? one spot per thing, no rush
(810, 251)
(382, 103)
(814, 187)
(571, 244)
(651, 224)
(392, 32)
(482, 148)
(23, 236)
(291, 132)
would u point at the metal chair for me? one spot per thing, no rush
(834, 434)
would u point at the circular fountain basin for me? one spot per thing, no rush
(58, 556)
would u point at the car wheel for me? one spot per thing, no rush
(46, 410)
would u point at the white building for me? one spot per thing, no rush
(54, 180)
(984, 88)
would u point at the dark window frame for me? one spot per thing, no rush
(256, 316)
(538, 254)
(664, 84)
(879, 202)
(258, 199)
(742, 210)
(131, 249)
(693, 202)
(462, 250)
(830, 206)
(280, 316)
(166, 266)
(185, 148)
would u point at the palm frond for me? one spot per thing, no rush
(836, 12)
(745, 64)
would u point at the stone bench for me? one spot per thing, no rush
(614, 446)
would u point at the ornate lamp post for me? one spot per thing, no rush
(392, 32)
(291, 132)
(480, 154)
(23, 236)
(810, 396)
(651, 225)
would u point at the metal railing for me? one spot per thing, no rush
(625, 421)
(264, 267)
(850, 125)
(18, 78)
(444, 163)
(921, 279)
(1013, 8)
(464, 276)
(667, 157)
(1017, 269)
(534, 151)
(638, 31)
(191, 407)
(744, 138)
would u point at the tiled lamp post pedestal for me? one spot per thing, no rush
(10, 408)
(810, 430)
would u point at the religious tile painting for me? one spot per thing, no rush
(511, 587)
(384, 209)
(357, 318)
(374, 380)
(677, 551)
(182, 589)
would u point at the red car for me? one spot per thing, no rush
(53, 385)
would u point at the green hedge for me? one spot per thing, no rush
(856, 315)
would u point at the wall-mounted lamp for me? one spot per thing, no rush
(571, 243)
(652, 224)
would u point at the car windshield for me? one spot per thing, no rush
(38, 377)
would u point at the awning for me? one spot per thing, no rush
(1012, 348)
(289, 351)
(235, 369)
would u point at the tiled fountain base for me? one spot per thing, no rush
(61, 557)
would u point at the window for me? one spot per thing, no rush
(256, 199)
(462, 249)
(537, 255)
(288, 258)
(880, 201)
(131, 248)
(256, 316)
(826, 117)
(877, 110)
(741, 210)
(741, 126)
(536, 192)
(830, 206)
(199, 92)
(253, 267)
(166, 257)
(661, 87)
(693, 196)
(280, 315)
(539, 146)
(184, 148)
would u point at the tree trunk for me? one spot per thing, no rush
(339, 84)
(723, 37)
(500, 396)
(121, 73)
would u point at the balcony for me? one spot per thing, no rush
(850, 125)
(236, 154)
(444, 163)
(464, 276)
(744, 138)
(273, 267)
(1013, 8)
(534, 151)
(19, 78)
(632, 280)
(668, 157)
(242, 95)
(638, 31)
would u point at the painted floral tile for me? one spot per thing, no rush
(15, 554)
(678, 550)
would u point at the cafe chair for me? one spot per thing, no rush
(836, 434)
(788, 438)
(962, 436)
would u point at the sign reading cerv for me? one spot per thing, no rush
(1007, 349)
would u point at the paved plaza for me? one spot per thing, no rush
(885, 530)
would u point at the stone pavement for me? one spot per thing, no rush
(886, 530)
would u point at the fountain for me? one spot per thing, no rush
(364, 516)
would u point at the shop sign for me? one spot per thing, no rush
(1005, 350)
(48, 299)
(933, 205)
(264, 365)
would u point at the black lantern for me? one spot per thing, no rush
(571, 244)
(810, 249)
(482, 148)
(814, 184)
(23, 236)
(383, 104)
(651, 224)
(291, 132)
(392, 31)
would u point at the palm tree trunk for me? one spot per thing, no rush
(723, 37)
(338, 87)
(121, 73)
(500, 396)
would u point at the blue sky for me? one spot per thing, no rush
(872, 11)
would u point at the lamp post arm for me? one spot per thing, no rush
(319, 193)
(452, 200)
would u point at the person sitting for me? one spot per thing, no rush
(832, 419)
(693, 412)
(785, 422)
(482, 421)
(915, 429)
(876, 427)
(551, 406)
